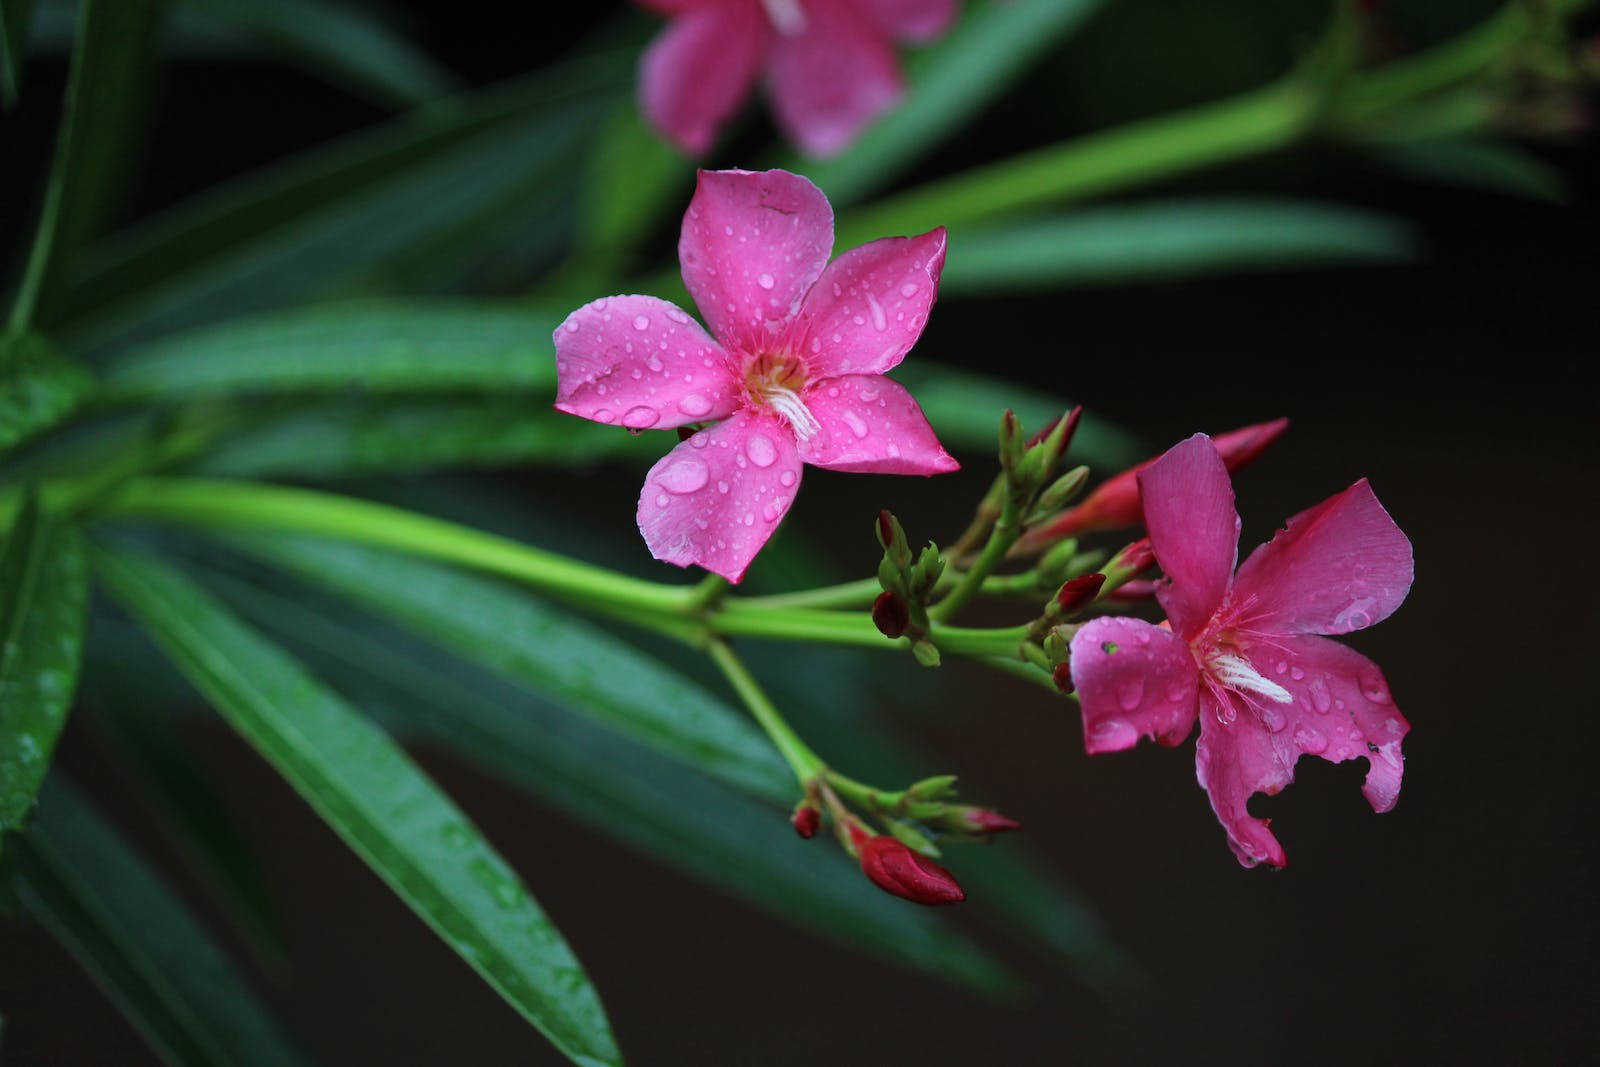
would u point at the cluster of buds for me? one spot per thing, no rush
(901, 610)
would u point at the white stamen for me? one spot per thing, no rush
(786, 402)
(786, 15)
(1235, 672)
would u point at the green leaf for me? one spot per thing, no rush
(1141, 242)
(344, 44)
(546, 650)
(634, 178)
(381, 803)
(653, 804)
(964, 410)
(111, 61)
(38, 387)
(138, 941)
(16, 18)
(44, 596)
(1476, 163)
(353, 438)
(332, 218)
(948, 84)
(376, 346)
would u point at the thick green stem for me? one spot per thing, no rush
(1001, 538)
(805, 763)
(743, 619)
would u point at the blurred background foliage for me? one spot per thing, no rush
(325, 243)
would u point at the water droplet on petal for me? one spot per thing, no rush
(1311, 740)
(694, 405)
(857, 424)
(1113, 734)
(640, 418)
(786, 478)
(1321, 699)
(1131, 692)
(1273, 719)
(684, 476)
(908, 290)
(677, 316)
(641, 322)
(880, 321)
(765, 280)
(603, 415)
(762, 452)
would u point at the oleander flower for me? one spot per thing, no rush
(795, 372)
(1244, 652)
(830, 64)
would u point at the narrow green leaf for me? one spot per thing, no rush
(354, 438)
(1476, 163)
(949, 83)
(381, 803)
(1141, 242)
(344, 44)
(548, 651)
(44, 596)
(965, 408)
(138, 941)
(38, 386)
(333, 216)
(111, 60)
(655, 805)
(376, 346)
(634, 177)
(16, 18)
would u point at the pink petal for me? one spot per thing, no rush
(912, 20)
(697, 72)
(1134, 680)
(1341, 710)
(869, 306)
(870, 424)
(752, 245)
(641, 363)
(1340, 566)
(716, 498)
(832, 78)
(1194, 529)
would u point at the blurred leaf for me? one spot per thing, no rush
(1138, 242)
(370, 346)
(16, 18)
(948, 84)
(654, 805)
(1476, 163)
(44, 597)
(351, 438)
(138, 941)
(549, 651)
(370, 792)
(38, 386)
(111, 60)
(965, 409)
(343, 43)
(332, 216)
(633, 179)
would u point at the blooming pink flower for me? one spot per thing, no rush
(1242, 650)
(830, 64)
(795, 372)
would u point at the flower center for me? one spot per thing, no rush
(786, 15)
(775, 381)
(1236, 673)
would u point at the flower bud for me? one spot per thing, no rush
(985, 821)
(890, 614)
(1077, 592)
(1132, 560)
(935, 788)
(1011, 443)
(1134, 591)
(896, 869)
(806, 820)
(1060, 493)
(1062, 676)
(926, 652)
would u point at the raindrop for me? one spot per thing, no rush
(641, 322)
(761, 451)
(857, 424)
(786, 478)
(880, 321)
(640, 418)
(1320, 698)
(1131, 692)
(765, 280)
(1311, 740)
(1113, 734)
(603, 415)
(908, 290)
(694, 405)
(684, 476)
(677, 316)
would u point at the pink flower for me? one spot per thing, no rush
(830, 64)
(795, 372)
(1242, 650)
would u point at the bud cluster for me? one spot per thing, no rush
(901, 610)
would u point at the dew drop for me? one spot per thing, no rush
(765, 280)
(640, 418)
(857, 424)
(1273, 719)
(722, 487)
(641, 322)
(677, 316)
(1320, 697)
(603, 415)
(786, 478)
(1113, 734)
(908, 290)
(761, 451)
(684, 476)
(694, 405)
(1131, 692)
(880, 321)
(1311, 740)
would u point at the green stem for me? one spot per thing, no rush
(1024, 670)
(856, 594)
(805, 763)
(230, 504)
(743, 619)
(1001, 538)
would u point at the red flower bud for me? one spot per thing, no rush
(1072, 427)
(896, 869)
(1115, 503)
(1134, 591)
(1137, 557)
(890, 614)
(1062, 676)
(984, 821)
(1076, 592)
(806, 820)
(885, 527)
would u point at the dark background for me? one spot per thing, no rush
(1456, 929)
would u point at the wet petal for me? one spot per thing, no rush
(868, 423)
(752, 245)
(1194, 529)
(912, 20)
(1341, 710)
(716, 498)
(833, 77)
(1340, 566)
(698, 71)
(1134, 680)
(869, 306)
(639, 362)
